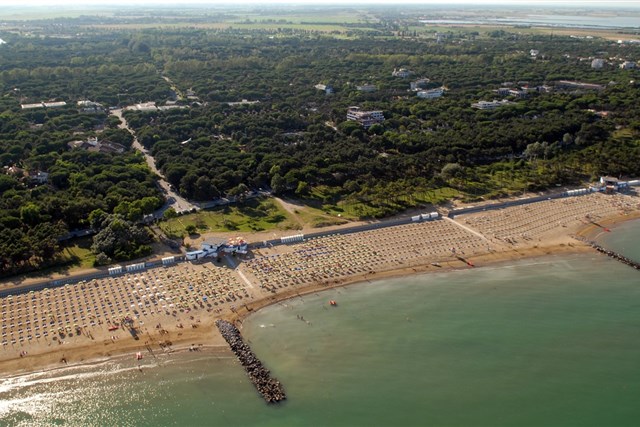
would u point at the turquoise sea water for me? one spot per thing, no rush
(546, 342)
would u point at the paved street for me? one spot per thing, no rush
(176, 201)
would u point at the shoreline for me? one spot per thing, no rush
(212, 341)
(486, 260)
(206, 335)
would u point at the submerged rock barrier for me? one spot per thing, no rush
(612, 254)
(270, 388)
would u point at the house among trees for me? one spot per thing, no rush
(33, 176)
(597, 63)
(145, 106)
(628, 65)
(431, 93)
(419, 84)
(401, 72)
(55, 104)
(32, 106)
(326, 88)
(365, 118)
(490, 105)
(191, 95)
(86, 106)
(366, 88)
(38, 177)
(92, 144)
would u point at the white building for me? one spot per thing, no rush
(490, 105)
(212, 247)
(431, 93)
(597, 63)
(534, 52)
(366, 88)
(365, 118)
(39, 177)
(628, 65)
(145, 106)
(418, 84)
(32, 106)
(87, 106)
(326, 88)
(54, 104)
(401, 72)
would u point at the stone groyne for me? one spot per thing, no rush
(623, 259)
(270, 388)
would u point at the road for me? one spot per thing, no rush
(179, 203)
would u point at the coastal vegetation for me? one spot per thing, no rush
(250, 118)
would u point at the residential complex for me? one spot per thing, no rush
(365, 118)
(431, 93)
(490, 105)
(401, 72)
(366, 88)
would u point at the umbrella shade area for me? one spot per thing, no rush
(86, 309)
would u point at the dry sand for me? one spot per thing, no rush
(169, 312)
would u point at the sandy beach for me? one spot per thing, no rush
(170, 308)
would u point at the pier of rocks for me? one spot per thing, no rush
(613, 254)
(268, 387)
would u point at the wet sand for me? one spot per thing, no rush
(176, 307)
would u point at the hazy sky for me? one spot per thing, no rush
(591, 3)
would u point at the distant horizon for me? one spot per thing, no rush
(591, 4)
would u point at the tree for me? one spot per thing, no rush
(120, 239)
(278, 184)
(240, 192)
(30, 214)
(97, 218)
(451, 170)
(303, 188)
(169, 213)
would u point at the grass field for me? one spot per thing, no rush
(255, 215)
(79, 253)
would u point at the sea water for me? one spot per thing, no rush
(553, 341)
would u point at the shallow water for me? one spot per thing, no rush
(551, 341)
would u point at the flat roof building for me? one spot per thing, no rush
(490, 105)
(32, 106)
(54, 104)
(365, 118)
(401, 72)
(366, 88)
(431, 93)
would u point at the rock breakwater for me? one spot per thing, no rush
(623, 259)
(270, 388)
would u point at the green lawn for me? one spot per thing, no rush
(79, 253)
(254, 215)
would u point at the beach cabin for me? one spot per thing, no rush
(236, 245)
(609, 183)
(195, 255)
(212, 247)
